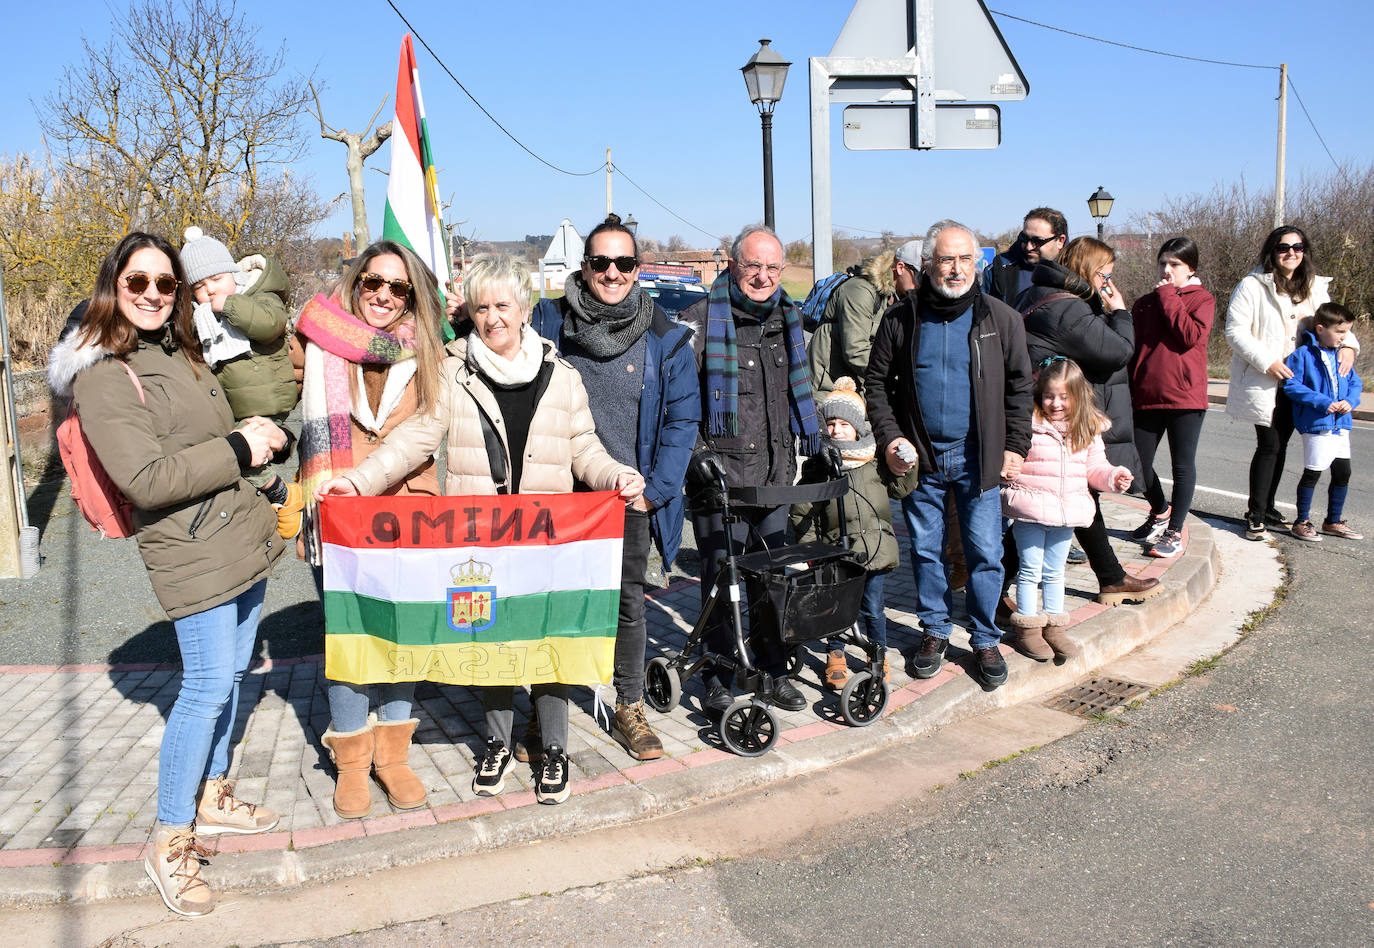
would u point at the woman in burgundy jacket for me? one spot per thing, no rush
(1169, 387)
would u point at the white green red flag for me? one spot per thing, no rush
(413, 217)
(511, 589)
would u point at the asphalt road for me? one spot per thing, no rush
(1235, 808)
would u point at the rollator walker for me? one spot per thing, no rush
(800, 593)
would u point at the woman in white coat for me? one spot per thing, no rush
(1262, 327)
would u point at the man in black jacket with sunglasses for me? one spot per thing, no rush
(1044, 231)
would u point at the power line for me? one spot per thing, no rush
(575, 174)
(1139, 49)
(684, 220)
(1303, 105)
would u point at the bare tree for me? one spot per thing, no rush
(179, 118)
(361, 146)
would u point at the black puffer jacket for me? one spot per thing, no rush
(1064, 316)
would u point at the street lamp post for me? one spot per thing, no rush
(764, 75)
(631, 225)
(1099, 206)
(718, 259)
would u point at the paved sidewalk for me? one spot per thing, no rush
(78, 746)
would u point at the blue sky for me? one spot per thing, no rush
(660, 85)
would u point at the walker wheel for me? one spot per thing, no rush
(748, 728)
(662, 685)
(795, 660)
(863, 699)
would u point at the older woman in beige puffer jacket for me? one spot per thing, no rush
(517, 420)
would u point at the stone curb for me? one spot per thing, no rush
(261, 863)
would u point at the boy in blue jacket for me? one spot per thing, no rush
(1323, 400)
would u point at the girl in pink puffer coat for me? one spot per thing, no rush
(1051, 496)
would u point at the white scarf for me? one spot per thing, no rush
(519, 370)
(218, 339)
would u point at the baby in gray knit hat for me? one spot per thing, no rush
(241, 318)
(867, 512)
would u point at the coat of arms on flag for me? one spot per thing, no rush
(478, 590)
(471, 602)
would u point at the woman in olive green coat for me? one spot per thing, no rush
(160, 424)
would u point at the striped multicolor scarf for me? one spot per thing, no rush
(722, 365)
(338, 341)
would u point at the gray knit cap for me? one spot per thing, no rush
(204, 257)
(845, 402)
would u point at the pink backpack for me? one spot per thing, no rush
(103, 505)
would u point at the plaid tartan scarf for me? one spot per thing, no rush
(722, 364)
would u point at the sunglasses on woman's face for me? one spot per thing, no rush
(137, 282)
(600, 263)
(372, 282)
(1296, 248)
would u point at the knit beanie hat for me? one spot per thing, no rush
(846, 403)
(204, 257)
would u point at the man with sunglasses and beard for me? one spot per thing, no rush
(1044, 231)
(629, 353)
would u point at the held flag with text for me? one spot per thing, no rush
(510, 589)
(413, 217)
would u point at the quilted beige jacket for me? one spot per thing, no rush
(561, 447)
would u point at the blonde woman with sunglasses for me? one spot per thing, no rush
(369, 358)
(163, 429)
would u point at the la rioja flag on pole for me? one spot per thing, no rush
(412, 192)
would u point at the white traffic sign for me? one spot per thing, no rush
(912, 61)
(893, 127)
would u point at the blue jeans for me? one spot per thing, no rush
(216, 646)
(980, 527)
(871, 611)
(1043, 551)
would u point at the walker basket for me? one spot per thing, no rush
(810, 603)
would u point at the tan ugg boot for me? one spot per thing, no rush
(1057, 637)
(1029, 640)
(390, 762)
(352, 754)
(173, 864)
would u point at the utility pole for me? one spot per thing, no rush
(608, 182)
(1283, 145)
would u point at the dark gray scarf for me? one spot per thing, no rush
(602, 331)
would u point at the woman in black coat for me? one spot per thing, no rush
(1072, 310)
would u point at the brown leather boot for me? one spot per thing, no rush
(631, 730)
(836, 669)
(1130, 589)
(1057, 636)
(390, 762)
(352, 755)
(530, 748)
(1030, 640)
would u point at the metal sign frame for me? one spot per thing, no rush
(909, 79)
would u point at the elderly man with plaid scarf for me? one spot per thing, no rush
(757, 416)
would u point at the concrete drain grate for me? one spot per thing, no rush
(1096, 696)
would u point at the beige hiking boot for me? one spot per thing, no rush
(631, 730)
(220, 813)
(174, 866)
